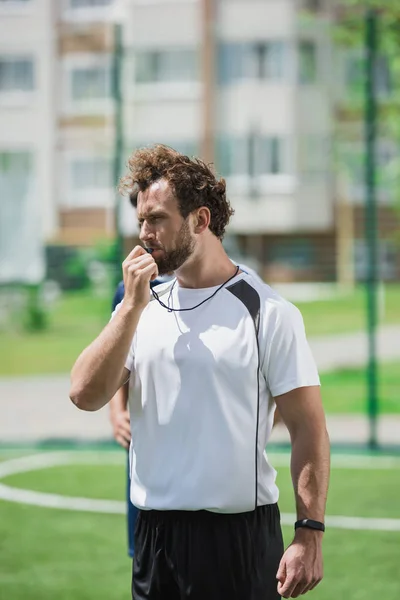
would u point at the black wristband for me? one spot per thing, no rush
(310, 523)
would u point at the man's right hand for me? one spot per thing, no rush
(139, 268)
(121, 427)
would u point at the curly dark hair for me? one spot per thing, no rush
(192, 181)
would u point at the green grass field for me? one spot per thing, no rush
(78, 317)
(49, 553)
(345, 391)
(347, 313)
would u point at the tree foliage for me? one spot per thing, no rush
(349, 33)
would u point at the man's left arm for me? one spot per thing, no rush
(302, 412)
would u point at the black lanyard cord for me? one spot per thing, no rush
(169, 309)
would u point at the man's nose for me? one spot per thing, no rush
(146, 233)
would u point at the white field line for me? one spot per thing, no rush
(46, 460)
(345, 461)
(65, 502)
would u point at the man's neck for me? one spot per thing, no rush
(206, 268)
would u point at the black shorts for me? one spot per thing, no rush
(202, 555)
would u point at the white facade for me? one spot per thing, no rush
(86, 107)
(28, 210)
(27, 112)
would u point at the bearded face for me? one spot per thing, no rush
(163, 228)
(172, 257)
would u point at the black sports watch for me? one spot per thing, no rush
(310, 524)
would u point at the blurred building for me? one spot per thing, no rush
(251, 85)
(245, 83)
(56, 118)
(28, 71)
(85, 124)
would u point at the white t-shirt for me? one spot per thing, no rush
(249, 271)
(201, 394)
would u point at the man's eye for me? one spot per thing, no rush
(150, 221)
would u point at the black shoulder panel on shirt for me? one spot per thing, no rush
(250, 298)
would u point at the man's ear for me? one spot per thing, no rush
(202, 219)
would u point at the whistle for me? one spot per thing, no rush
(149, 250)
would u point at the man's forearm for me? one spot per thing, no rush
(310, 466)
(98, 372)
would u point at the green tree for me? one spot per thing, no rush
(349, 35)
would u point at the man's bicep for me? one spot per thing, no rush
(124, 381)
(119, 401)
(301, 408)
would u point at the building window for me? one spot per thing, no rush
(273, 59)
(15, 164)
(270, 156)
(16, 169)
(232, 155)
(89, 3)
(236, 63)
(307, 62)
(383, 79)
(91, 173)
(18, 212)
(312, 5)
(297, 254)
(355, 70)
(261, 60)
(188, 147)
(16, 74)
(351, 159)
(13, 2)
(91, 83)
(386, 257)
(252, 156)
(173, 66)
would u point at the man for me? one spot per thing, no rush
(120, 420)
(207, 359)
